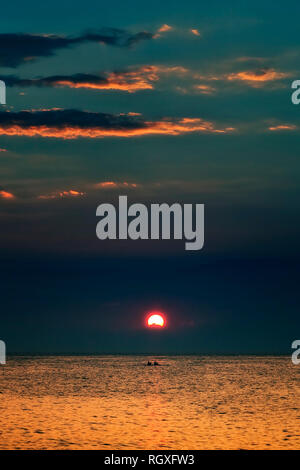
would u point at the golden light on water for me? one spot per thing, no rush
(115, 402)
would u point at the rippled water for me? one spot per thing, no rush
(116, 402)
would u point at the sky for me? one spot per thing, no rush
(186, 102)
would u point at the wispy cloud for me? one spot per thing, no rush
(149, 188)
(72, 124)
(170, 77)
(19, 48)
(6, 195)
(195, 32)
(258, 77)
(115, 185)
(130, 80)
(180, 31)
(165, 28)
(283, 127)
(205, 89)
(255, 78)
(62, 194)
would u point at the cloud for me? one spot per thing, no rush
(72, 124)
(149, 188)
(115, 185)
(62, 194)
(6, 195)
(268, 78)
(257, 77)
(205, 89)
(147, 77)
(283, 127)
(195, 32)
(19, 48)
(165, 28)
(131, 80)
(3, 150)
(123, 81)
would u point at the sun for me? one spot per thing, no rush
(156, 319)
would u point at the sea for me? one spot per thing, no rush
(117, 402)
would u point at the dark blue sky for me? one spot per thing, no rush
(167, 103)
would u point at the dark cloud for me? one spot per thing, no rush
(131, 79)
(116, 37)
(55, 80)
(62, 119)
(72, 124)
(19, 48)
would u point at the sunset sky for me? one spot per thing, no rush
(164, 104)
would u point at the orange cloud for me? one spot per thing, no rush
(117, 83)
(72, 124)
(133, 114)
(106, 184)
(113, 184)
(131, 81)
(6, 195)
(205, 89)
(164, 28)
(254, 78)
(257, 77)
(164, 127)
(3, 150)
(283, 127)
(195, 32)
(61, 194)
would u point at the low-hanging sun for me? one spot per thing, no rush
(156, 319)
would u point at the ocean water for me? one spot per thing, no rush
(116, 402)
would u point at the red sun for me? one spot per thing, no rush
(156, 320)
